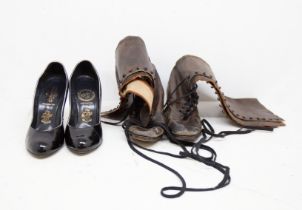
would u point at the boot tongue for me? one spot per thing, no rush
(142, 89)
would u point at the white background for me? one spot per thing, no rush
(254, 48)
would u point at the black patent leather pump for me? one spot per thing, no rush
(84, 132)
(46, 132)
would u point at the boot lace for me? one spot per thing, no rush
(188, 149)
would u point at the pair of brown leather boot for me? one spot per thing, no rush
(148, 119)
(142, 96)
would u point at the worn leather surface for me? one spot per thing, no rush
(247, 112)
(132, 63)
(146, 134)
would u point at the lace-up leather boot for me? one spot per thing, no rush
(181, 108)
(140, 89)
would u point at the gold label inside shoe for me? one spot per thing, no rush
(86, 115)
(51, 95)
(46, 117)
(86, 95)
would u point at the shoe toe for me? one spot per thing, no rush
(184, 130)
(146, 134)
(40, 149)
(84, 145)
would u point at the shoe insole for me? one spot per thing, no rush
(50, 101)
(142, 89)
(85, 104)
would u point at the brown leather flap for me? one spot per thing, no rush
(247, 112)
(250, 112)
(132, 61)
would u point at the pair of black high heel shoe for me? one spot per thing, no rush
(83, 132)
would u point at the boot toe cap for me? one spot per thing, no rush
(185, 130)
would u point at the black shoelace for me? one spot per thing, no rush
(207, 134)
(191, 102)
